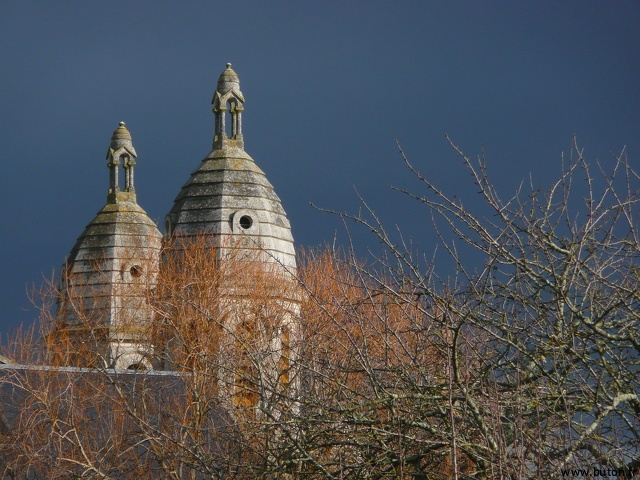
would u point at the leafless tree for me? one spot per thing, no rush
(521, 367)
(223, 336)
(541, 341)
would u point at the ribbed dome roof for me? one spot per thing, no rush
(122, 138)
(119, 230)
(230, 195)
(228, 80)
(119, 238)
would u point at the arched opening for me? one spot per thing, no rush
(246, 385)
(124, 161)
(137, 367)
(284, 363)
(230, 120)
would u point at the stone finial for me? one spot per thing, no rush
(122, 138)
(228, 100)
(121, 152)
(228, 81)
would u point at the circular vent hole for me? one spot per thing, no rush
(135, 271)
(246, 222)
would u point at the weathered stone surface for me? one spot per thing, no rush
(97, 285)
(115, 261)
(228, 186)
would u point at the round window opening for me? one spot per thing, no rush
(246, 222)
(135, 271)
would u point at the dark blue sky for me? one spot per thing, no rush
(330, 87)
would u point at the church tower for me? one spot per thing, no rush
(109, 275)
(232, 307)
(229, 204)
(229, 197)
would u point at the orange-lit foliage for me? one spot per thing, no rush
(376, 362)
(353, 384)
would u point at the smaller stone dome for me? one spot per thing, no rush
(110, 272)
(122, 138)
(228, 80)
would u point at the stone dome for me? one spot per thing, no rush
(229, 196)
(122, 138)
(228, 80)
(111, 269)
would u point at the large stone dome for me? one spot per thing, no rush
(229, 196)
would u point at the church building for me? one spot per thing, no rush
(110, 276)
